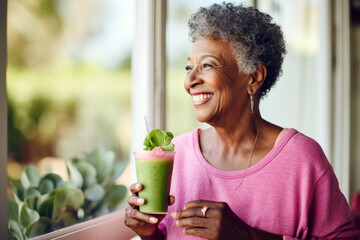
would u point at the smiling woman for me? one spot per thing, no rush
(244, 177)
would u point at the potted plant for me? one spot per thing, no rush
(44, 203)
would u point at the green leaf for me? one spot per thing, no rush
(17, 191)
(42, 226)
(157, 138)
(53, 177)
(75, 175)
(105, 164)
(13, 210)
(115, 195)
(32, 202)
(28, 216)
(67, 184)
(169, 147)
(170, 135)
(45, 208)
(46, 185)
(15, 231)
(102, 160)
(118, 169)
(88, 173)
(31, 192)
(42, 199)
(95, 193)
(67, 198)
(30, 177)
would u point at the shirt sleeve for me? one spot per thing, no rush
(329, 215)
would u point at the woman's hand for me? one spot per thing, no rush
(143, 224)
(215, 220)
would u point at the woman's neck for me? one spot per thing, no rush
(229, 146)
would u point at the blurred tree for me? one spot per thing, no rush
(32, 28)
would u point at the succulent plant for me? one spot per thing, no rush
(44, 203)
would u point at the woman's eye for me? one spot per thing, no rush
(188, 68)
(205, 65)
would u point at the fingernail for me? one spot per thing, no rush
(153, 219)
(137, 185)
(177, 223)
(140, 200)
(174, 214)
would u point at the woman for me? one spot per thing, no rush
(243, 178)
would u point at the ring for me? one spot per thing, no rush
(204, 210)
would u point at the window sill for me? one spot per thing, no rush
(110, 226)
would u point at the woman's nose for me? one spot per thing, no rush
(193, 79)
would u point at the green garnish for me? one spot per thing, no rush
(159, 138)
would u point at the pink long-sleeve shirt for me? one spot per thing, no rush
(292, 191)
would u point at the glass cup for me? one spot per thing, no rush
(154, 170)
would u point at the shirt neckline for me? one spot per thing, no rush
(239, 173)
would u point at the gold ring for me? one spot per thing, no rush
(204, 210)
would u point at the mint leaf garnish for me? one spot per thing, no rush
(159, 138)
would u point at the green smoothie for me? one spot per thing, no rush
(154, 170)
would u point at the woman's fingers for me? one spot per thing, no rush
(135, 188)
(192, 212)
(132, 213)
(193, 222)
(135, 201)
(203, 203)
(198, 232)
(171, 199)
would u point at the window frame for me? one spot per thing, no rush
(340, 94)
(3, 122)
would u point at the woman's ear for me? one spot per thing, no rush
(257, 79)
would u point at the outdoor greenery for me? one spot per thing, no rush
(44, 203)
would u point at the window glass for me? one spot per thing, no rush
(293, 102)
(69, 111)
(180, 116)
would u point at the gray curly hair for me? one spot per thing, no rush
(252, 37)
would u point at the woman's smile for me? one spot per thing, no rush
(201, 98)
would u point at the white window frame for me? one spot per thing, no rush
(340, 101)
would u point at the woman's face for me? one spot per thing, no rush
(218, 88)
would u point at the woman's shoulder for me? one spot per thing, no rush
(186, 139)
(305, 149)
(302, 142)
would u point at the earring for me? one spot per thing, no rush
(252, 103)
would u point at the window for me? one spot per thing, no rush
(69, 95)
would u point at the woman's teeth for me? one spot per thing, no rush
(201, 97)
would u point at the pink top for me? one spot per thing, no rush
(292, 191)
